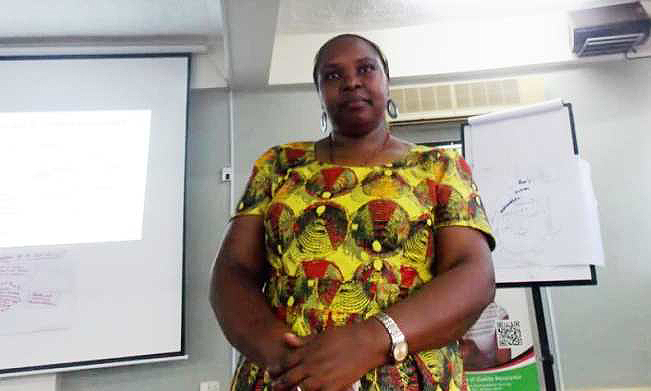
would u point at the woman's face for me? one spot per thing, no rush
(352, 85)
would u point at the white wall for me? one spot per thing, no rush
(447, 46)
(206, 213)
(267, 118)
(602, 330)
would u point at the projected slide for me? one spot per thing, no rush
(72, 177)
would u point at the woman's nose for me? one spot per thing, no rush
(351, 81)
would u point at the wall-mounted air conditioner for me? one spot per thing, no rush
(610, 29)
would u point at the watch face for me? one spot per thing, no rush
(400, 351)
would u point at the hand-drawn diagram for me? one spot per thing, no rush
(542, 214)
(523, 220)
(36, 292)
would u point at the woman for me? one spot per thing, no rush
(349, 252)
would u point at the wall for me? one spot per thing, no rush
(267, 118)
(470, 45)
(206, 211)
(602, 330)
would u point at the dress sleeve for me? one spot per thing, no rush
(257, 194)
(458, 201)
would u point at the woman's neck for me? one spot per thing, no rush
(372, 148)
(359, 143)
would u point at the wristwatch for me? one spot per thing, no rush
(398, 342)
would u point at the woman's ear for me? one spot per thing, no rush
(386, 87)
(387, 93)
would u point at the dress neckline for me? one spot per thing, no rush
(412, 147)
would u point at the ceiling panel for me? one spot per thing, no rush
(84, 18)
(326, 16)
(251, 26)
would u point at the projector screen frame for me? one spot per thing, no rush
(137, 359)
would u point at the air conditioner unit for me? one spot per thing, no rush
(610, 29)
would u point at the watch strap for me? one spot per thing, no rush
(396, 335)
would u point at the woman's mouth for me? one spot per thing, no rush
(355, 104)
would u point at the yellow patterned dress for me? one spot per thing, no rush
(346, 241)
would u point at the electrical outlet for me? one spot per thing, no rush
(209, 386)
(227, 174)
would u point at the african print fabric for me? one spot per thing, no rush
(345, 241)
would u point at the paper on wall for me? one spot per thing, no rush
(542, 214)
(36, 292)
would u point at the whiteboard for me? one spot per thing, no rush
(497, 145)
(91, 211)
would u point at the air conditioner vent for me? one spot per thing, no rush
(478, 92)
(443, 97)
(412, 99)
(427, 99)
(608, 29)
(608, 45)
(466, 98)
(511, 92)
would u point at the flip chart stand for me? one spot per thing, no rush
(537, 285)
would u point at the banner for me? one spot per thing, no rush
(498, 350)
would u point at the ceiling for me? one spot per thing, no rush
(41, 18)
(49, 20)
(319, 16)
(250, 27)
(271, 37)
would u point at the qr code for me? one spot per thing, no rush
(509, 333)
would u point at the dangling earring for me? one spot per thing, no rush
(324, 122)
(392, 109)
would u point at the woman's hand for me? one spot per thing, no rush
(276, 349)
(333, 360)
(240, 272)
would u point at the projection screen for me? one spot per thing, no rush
(92, 153)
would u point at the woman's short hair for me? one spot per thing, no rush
(317, 58)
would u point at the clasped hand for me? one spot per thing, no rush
(330, 361)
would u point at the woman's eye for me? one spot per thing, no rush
(331, 76)
(367, 68)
